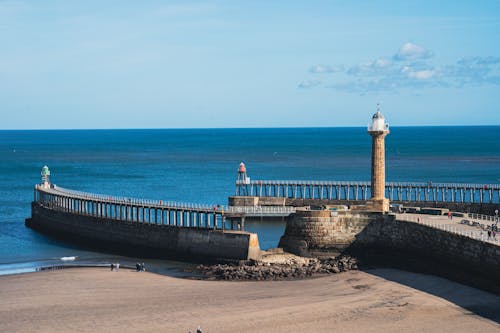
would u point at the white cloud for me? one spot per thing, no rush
(326, 69)
(421, 75)
(381, 63)
(380, 66)
(410, 51)
(410, 69)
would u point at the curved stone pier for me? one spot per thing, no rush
(399, 241)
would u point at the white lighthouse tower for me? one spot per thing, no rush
(378, 131)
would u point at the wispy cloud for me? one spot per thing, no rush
(326, 69)
(421, 75)
(371, 68)
(409, 67)
(309, 84)
(410, 51)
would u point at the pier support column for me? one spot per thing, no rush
(243, 223)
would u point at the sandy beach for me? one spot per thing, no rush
(381, 300)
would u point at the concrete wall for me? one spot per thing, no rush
(150, 239)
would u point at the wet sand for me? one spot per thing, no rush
(381, 300)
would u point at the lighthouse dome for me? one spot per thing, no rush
(45, 171)
(378, 123)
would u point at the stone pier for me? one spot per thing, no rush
(320, 233)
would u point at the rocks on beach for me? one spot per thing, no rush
(279, 267)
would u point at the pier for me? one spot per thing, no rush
(361, 191)
(144, 211)
(155, 228)
(130, 210)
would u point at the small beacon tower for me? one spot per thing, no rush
(45, 177)
(378, 130)
(243, 180)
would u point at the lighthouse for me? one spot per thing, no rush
(378, 131)
(45, 173)
(243, 180)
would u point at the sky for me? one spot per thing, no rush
(211, 64)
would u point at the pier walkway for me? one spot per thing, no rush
(129, 209)
(178, 214)
(476, 226)
(361, 191)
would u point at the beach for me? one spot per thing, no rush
(378, 300)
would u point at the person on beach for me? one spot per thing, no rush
(489, 234)
(198, 330)
(449, 215)
(112, 267)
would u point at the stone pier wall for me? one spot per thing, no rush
(317, 232)
(381, 239)
(161, 241)
(411, 237)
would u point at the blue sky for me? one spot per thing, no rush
(170, 64)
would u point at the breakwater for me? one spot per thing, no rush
(154, 229)
(406, 243)
(395, 241)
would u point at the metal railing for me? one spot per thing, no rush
(361, 190)
(261, 209)
(368, 183)
(128, 200)
(483, 217)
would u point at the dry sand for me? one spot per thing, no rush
(97, 300)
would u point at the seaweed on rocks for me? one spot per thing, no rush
(291, 269)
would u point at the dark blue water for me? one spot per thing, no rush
(200, 166)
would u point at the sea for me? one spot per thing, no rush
(200, 166)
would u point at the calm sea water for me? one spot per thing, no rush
(200, 166)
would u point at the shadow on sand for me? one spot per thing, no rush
(478, 302)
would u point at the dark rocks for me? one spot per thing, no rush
(256, 270)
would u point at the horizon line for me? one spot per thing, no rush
(224, 128)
